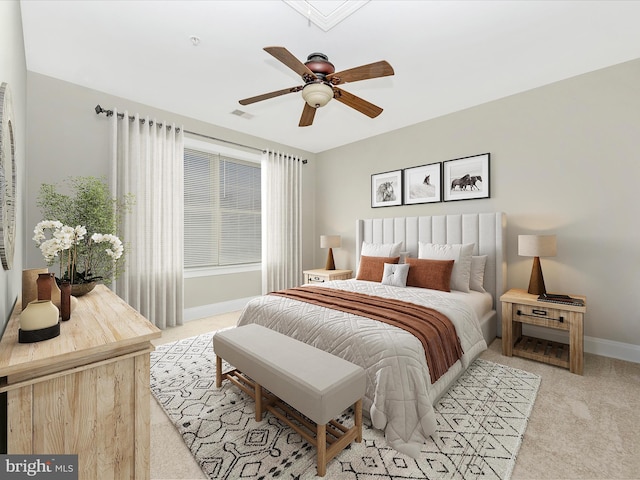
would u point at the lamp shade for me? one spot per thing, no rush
(330, 241)
(537, 245)
(317, 94)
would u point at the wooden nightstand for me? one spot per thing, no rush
(520, 307)
(321, 275)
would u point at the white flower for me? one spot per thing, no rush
(57, 243)
(73, 250)
(116, 249)
(62, 238)
(65, 236)
(40, 228)
(50, 249)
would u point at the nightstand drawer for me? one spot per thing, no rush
(541, 316)
(320, 275)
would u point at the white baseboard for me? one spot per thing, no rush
(597, 346)
(608, 348)
(203, 311)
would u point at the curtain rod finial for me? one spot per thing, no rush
(100, 110)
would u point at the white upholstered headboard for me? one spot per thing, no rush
(486, 230)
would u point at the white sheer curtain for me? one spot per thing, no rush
(281, 221)
(148, 163)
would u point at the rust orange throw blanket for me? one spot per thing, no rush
(435, 331)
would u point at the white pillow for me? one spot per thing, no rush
(476, 278)
(395, 274)
(380, 249)
(460, 253)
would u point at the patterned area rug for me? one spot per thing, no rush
(481, 421)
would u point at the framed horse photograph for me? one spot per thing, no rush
(386, 189)
(422, 184)
(466, 178)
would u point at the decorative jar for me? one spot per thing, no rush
(39, 321)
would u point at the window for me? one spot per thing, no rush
(222, 207)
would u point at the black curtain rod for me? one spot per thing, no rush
(109, 113)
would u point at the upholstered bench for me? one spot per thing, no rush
(317, 384)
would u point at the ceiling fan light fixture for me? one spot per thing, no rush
(317, 94)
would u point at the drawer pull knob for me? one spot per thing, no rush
(539, 313)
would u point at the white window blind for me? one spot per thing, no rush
(222, 210)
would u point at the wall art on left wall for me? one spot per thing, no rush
(7, 179)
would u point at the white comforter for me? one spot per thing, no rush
(399, 395)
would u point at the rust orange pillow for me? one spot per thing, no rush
(371, 268)
(433, 274)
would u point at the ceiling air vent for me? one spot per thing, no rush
(242, 114)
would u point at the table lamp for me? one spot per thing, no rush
(330, 242)
(537, 246)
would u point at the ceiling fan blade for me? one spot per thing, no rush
(286, 57)
(364, 72)
(266, 96)
(307, 115)
(353, 101)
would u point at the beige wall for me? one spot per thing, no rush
(564, 160)
(66, 137)
(14, 72)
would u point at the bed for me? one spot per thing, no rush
(400, 394)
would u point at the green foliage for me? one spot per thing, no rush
(87, 201)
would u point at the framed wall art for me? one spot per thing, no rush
(386, 189)
(7, 178)
(422, 184)
(466, 178)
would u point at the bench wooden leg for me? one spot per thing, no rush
(218, 371)
(321, 447)
(258, 401)
(358, 420)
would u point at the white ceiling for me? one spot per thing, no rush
(447, 55)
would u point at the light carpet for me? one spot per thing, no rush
(481, 422)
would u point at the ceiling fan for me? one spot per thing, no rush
(320, 80)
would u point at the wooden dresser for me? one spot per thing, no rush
(85, 392)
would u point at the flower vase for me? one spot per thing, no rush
(39, 321)
(29, 285)
(44, 286)
(56, 297)
(65, 300)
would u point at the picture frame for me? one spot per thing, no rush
(466, 178)
(386, 189)
(422, 184)
(8, 180)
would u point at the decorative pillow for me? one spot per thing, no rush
(460, 253)
(395, 274)
(371, 268)
(381, 249)
(476, 278)
(433, 274)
